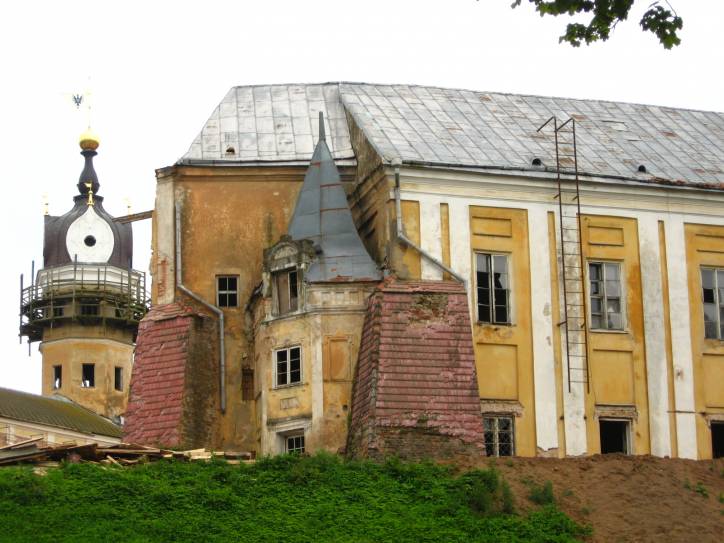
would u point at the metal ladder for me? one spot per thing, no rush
(570, 253)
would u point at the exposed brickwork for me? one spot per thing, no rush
(416, 392)
(173, 379)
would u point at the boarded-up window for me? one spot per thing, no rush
(247, 384)
(336, 364)
(286, 290)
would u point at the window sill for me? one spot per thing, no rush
(607, 331)
(495, 324)
(291, 385)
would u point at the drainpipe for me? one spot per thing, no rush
(396, 163)
(219, 313)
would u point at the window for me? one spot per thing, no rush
(89, 376)
(227, 291)
(499, 436)
(712, 284)
(289, 366)
(605, 295)
(58, 311)
(247, 384)
(286, 288)
(614, 436)
(294, 444)
(57, 377)
(89, 309)
(493, 288)
(118, 378)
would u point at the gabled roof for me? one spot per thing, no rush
(322, 216)
(61, 413)
(465, 129)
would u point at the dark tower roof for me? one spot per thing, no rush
(55, 252)
(323, 216)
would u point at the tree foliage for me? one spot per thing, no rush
(661, 20)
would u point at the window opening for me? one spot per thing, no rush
(605, 295)
(499, 436)
(717, 439)
(118, 378)
(295, 444)
(289, 366)
(247, 384)
(227, 291)
(493, 289)
(57, 377)
(286, 285)
(712, 284)
(614, 436)
(89, 309)
(89, 376)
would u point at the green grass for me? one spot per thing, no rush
(286, 498)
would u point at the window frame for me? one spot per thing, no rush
(91, 383)
(288, 372)
(718, 302)
(496, 431)
(292, 308)
(628, 434)
(227, 292)
(294, 436)
(604, 297)
(508, 289)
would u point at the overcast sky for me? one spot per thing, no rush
(157, 70)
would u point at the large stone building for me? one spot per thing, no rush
(587, 236)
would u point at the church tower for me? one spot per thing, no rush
(85, 304)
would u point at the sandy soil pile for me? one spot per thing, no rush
(629, 498)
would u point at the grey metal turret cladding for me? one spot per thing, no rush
(323, 217)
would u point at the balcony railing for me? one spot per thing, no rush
(82, 292)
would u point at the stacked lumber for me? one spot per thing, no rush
(31, 451)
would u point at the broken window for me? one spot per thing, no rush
(88, 379)
(605, 295)
(295, 443)
(227, 291)
(288, 366)
(717, 439)
(712, 285)
(286, 291)
(118, 378)
(57, 377)
(615, 436)
(247, 384)
(492, 288)
(499, 436)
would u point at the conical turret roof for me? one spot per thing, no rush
(323, 216)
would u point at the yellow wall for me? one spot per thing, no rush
(704, 247)
(617, 364)
(73, 346)
(503, 353)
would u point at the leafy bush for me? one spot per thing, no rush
(285, 498)
(542, 494)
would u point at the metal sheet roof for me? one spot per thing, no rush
(463, 128)
(323, 216)
(272, 123)
(61, 413)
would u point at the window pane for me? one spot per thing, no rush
(222, 283)
(707, 278)
(500, 263)
(281, 374)
(483, 296)
(505, 424)
(594, 272)
(613, 305)
(710, 311)
(612, 271)
(720, 281)
(488, 424)
(282, 356)
(501, 313)
(596, 288)
(483, 313)
(231, 283)
(614, 321)
(596, 321)
(613, 288)
(595, 305)
(709, 295)
(294, 364)
(231, 300)
(500, 280)
(710, 330)
(483, 263)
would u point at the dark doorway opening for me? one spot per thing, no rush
(614, 436)
(717, 439)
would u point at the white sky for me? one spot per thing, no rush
(158, 69)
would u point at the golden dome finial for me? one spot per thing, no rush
(89, 140)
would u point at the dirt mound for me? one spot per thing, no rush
(628, 498)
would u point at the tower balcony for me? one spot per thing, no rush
(84, 293)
